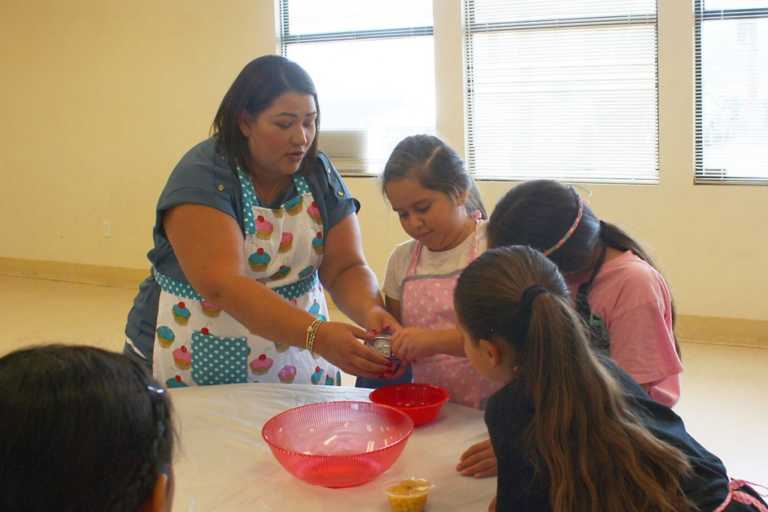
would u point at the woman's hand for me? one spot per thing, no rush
(340, 344)
(478, 461)
(412, 343)
(492, 505)
(379, 320)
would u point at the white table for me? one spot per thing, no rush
(222, 463)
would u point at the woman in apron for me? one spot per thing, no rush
(251, 226)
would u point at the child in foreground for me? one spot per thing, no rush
(570, 429)
(83, 429)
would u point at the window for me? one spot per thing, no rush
(373, 65)
(731, 91)
(562, 90)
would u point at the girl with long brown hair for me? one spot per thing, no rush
(570, 429)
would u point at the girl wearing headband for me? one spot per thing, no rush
(615, 285)
(571, 430)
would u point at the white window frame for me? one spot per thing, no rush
(701, 15)
(471, 27)
(352, 161)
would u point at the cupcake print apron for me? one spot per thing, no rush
(196, 343)
(427, 302)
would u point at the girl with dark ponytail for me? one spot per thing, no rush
(570, 429)
(614, 282)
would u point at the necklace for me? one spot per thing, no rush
(269, 197)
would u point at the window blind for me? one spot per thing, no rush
(731, 91)
(373, 66)
(562, 90)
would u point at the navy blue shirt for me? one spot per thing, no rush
(509, 414)
(203, 176)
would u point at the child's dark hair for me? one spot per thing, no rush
(260, 83)
(436, 166)
(583, 440)
(81, 429)
(539, 213)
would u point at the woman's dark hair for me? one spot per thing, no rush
(539, 213)
(260, 83)
(82, 429)
(584, 441)
(436, 166)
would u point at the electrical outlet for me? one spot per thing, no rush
(107, 229)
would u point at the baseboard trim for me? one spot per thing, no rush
(689, 328)
(115, 277)
(723, 331)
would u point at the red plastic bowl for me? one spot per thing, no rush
(337, 444)
(421, 402)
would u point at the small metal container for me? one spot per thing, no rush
(383, 345)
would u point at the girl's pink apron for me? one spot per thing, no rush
(427, 302)
(737, 495)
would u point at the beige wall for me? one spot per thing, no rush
(98, 99)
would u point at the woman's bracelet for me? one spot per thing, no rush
(309, 342)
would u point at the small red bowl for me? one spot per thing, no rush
(421, 402)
